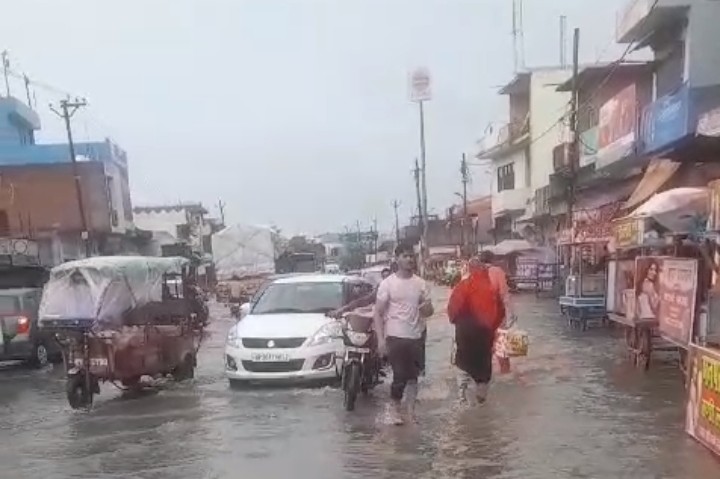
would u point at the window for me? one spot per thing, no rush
(506, 177)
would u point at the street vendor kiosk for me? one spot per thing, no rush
(653, 284)
(703, 374)
(583, 300)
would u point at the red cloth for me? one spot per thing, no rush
(476, 296)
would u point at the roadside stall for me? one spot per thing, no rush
(702, 420)
(520, 260)
(654, 274)
(583, 299)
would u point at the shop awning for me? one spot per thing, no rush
(658, 172)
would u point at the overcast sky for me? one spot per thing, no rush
(294, 112)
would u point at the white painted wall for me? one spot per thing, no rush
(165, 221)
(546, 107)
(510, 199)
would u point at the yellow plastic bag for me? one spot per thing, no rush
(511, 343)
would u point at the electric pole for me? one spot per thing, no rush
(574, 152)
(416, 174)
(465, 179)
(68, 109)
(396, 205)
(6, 71)
(27, 89)
(221, 207)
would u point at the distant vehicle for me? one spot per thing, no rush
(21, 338)
(373, 274)
(332, 268)
(285, 333)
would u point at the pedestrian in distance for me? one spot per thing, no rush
(476, 309)
(402, 306)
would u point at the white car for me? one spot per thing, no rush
(286, 335)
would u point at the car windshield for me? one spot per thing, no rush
(307, 297)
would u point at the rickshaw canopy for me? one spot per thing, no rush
(104, 288)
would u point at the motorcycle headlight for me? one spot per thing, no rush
(326, 334)
(357, 339)
(233, 339)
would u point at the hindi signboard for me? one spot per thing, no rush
(702, 420)
(420, 85)
(677, 293)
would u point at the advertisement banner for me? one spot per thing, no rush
(647, 287)
(702, 419)
(617, 125)
(420, 85)
(666, 120)
(677, 293)
(626, 233)
(526, 268)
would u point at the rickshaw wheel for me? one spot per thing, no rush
(78, 394)
(186, 370)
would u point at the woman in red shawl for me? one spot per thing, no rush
(476, 309)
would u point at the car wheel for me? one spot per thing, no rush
(40, 356)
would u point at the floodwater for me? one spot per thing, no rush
(573, 409)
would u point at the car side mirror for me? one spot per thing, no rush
(244, 310)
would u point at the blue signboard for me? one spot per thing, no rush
(666, 121)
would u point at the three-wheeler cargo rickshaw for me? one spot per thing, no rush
(121, 318)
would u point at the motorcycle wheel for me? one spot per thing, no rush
(352, 385)
(78, 394)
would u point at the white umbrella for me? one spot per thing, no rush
(678, 209)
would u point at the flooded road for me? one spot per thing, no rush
(573, 409)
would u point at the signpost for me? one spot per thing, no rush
(420, 92)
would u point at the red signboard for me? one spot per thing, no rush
(677, 291)
(702, 419)
(618, 118)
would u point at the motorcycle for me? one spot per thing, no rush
(362, 365)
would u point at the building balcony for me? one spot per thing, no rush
(509, 202)
(499, 141)
(641, 17)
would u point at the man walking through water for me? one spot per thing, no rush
(477, 307)
(403, 303)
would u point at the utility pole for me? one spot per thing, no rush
(27, 90)
(416, 174)
(375, 237)
(396, 205)
(68, 109)
(465, 179)
(574, 153)
(221, 207)
(6, 71)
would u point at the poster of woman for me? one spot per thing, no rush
(647, 287)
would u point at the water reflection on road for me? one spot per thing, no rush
(573, 409)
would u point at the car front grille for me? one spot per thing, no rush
(273, 367)
(272, 343)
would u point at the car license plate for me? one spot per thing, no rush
(269, 357)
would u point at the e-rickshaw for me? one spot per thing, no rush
(118, 319)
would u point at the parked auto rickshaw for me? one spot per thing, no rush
(121, 318)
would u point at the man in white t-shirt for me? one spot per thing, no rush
(402, 305)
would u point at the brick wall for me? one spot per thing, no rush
(43, 198)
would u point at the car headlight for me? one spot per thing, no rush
(233, 339)
(357, 339)
(326, 334)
